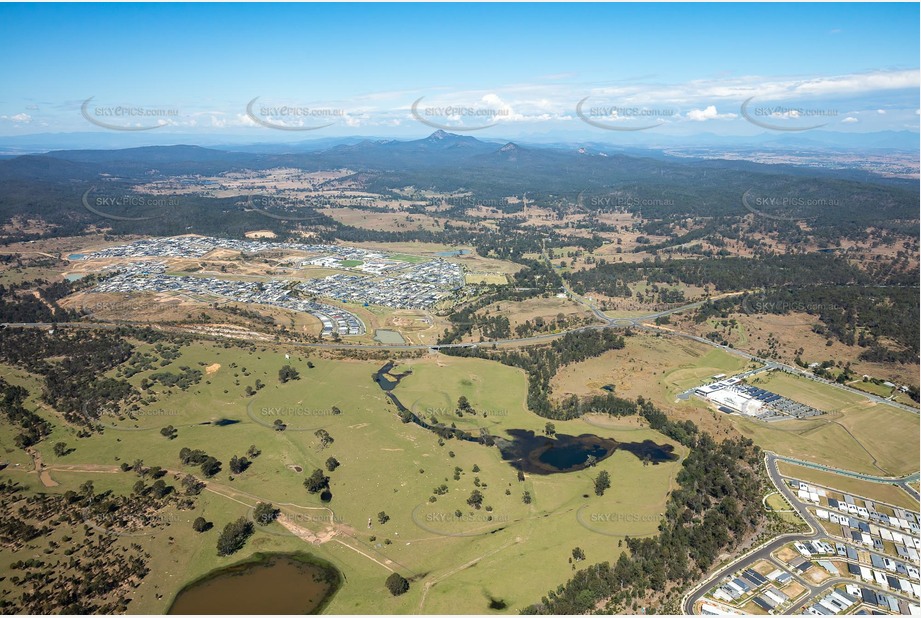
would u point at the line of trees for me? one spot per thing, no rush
(716, 506)
(542, 362)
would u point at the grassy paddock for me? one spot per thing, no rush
(456, 565)
(855, 434)
(890, 494)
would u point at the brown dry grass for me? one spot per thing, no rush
(786, 553)
(794, 332)
(382, 221)
(547, 308)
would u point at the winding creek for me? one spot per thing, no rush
(529, 452)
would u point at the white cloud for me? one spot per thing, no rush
(850, 120)
(547, 99)
(708, 113)
(244, 120)
(763, 88)
(553, 98)
(18, 118)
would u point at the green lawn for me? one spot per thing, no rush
(402, 257)
(870, 387)
(778, 503)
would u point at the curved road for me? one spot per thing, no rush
(764, 551)
(902, 481)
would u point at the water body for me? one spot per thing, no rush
(75, 256)
(530, 452)
(270, 584)
(74, 276)
(537, 454)
(452, 253)
(389, 381)
(650, 451)
(388, 337)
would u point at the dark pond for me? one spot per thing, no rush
(530, 452)
(650, 451)
(386, 380)
(572, 455)
(271, 584)
(537, 454)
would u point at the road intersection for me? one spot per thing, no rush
(766, 550)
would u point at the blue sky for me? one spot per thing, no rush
(322, 70)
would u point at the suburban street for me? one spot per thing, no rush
(764, 551)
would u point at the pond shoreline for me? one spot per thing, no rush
(331, 575)
(525, 450)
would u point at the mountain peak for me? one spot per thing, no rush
(510, 147)
(439, 134)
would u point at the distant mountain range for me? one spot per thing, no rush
(816, 139)
(442, 158)
(660, 186)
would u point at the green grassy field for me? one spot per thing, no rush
(856, 434)
(14, 457)
(457, 565)
(870, 387)
(890, 494)
(403, 257)
(778, 503)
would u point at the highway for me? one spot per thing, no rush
(638, 323)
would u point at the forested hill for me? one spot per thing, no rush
(50, 186)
